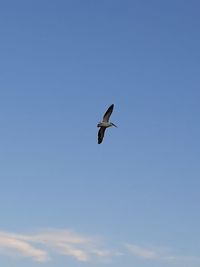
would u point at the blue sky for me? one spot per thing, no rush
(134, 199)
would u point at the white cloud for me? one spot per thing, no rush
(143, 252)
(39, 246)
(16, 243)
(159, 254)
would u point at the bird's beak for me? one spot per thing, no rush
(114, 125)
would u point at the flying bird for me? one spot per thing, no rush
(105, 124)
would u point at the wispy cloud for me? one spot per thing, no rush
(158, 254)
(142, 252)
(16, 243)
(39, 246)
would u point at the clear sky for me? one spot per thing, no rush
(134, 199)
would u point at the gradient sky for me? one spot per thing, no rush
(134, 199)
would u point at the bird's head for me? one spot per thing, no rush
(113, 125)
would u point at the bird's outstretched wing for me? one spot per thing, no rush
(108, 113)
(101, 134)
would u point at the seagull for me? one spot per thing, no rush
(105, 124)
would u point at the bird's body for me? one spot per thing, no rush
(105, 124)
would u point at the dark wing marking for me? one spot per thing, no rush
(101, 134)
(108, 113)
